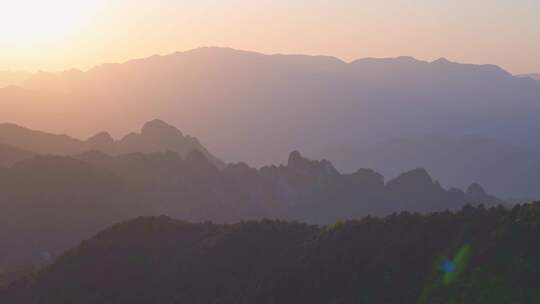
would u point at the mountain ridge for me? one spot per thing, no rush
(213, 51)
(288, 103)
(375, 260)
(44, 194)
(444, 156)
(155, 136)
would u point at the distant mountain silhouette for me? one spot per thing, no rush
(256, 108)
(506, 170)
(300, 190)
(155, 136)
(475, 255)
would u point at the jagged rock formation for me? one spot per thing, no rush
(256, 108)
(155, 136)
(43, 195)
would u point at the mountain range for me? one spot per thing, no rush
(508, 170)
(257, 108)
(475, 255)
(155, 136)
(409, 238)
(44, 193)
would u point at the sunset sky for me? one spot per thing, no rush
(63, 34)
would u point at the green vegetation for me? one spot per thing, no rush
(475, 255)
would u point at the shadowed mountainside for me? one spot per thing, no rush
(472, 256)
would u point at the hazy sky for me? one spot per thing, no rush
(61, 34)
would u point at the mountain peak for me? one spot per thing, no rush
(294, 158)
(158, 127)
(299, 163)
(415, 179)
(407, 59)
(102, 137)
(475, 189)
(419, 174)
(442, 60)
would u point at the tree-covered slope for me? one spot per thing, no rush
(476, 255)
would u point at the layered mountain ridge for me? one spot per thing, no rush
(458, 161)
(257, 108)
(86, 192)
(155, 136)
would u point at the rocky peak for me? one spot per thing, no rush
(475, 190)
(414, 179)
(295, 158)
(159, 128)
(442, 61)
(101, 138)
(299, 164)
(328, 167)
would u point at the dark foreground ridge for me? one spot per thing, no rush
(475, 255)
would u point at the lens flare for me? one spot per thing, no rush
(454, 268)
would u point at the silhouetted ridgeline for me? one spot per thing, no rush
(155, 136)
(49, 203)
(476, 255)
(460, 161)
(257, 108)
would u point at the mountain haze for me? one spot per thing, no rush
(155, 136)
(43, 195)
(508, 170)
(10, 155)
(256, 108)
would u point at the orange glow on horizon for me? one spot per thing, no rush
(64, 34)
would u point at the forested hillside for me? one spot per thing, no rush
(476, 255)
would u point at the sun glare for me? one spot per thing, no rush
(31, 23)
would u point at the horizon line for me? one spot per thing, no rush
(82, 70)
